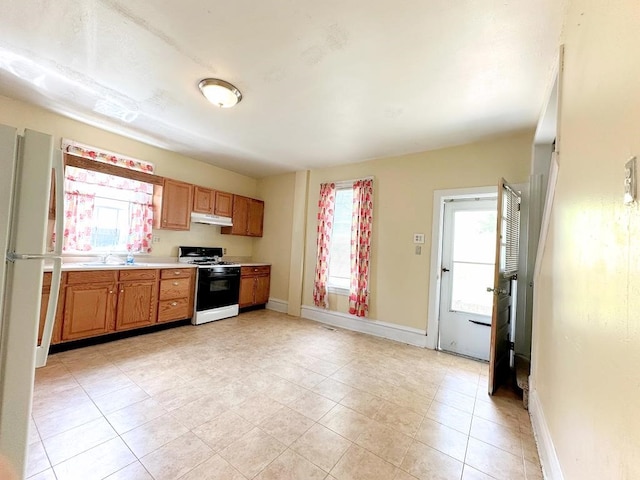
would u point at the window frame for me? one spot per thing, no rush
(69, 159)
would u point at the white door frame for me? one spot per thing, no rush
(439, 198)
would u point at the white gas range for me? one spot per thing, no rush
(217, 284)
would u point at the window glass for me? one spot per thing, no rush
(340, 250)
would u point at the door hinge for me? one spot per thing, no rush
(512, 346)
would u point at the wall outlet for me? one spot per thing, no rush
(224, 251)
(418, 238)
(155, 239)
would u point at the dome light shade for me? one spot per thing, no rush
(219, 92)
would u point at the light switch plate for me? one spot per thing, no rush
(418, 238)
(630, 181)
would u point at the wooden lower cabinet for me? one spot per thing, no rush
(137, 299)
(89, 309)
(254, 285)
(176, 294)
(98, 302)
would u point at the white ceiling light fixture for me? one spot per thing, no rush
(220, 93)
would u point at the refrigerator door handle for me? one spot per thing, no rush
(42, 350)
(58, 169)
(12, 256)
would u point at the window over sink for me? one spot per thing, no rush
(103, 211)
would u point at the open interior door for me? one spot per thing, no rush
(506, 271)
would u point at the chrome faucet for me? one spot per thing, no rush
(105, 258)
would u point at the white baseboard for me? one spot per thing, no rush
(399, 333)
(548, 457)
(277, 305)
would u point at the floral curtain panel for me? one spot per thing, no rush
(361, 224)
(78, 211)
(326, 206)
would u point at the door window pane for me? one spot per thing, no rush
(473, 261)
(475, 236)
(469, 290)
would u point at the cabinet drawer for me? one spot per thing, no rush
(177, 309)
(138, 275)
(252, 271)
(175, 288)
(92, 276)
(176, 273)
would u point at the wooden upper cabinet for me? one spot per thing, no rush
(248, 214)
(173, 202)
(206, 200)
(203, 200)
(223, 204)
(256, 216)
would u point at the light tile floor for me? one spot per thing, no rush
(268, 396)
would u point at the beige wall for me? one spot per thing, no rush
(586, 352)
(403, 196)
(169, 164)
(275, 246)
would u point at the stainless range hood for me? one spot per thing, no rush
(211, 219)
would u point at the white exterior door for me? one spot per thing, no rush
(468, 259)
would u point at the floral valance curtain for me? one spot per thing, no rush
(361, 224)
(104, 156)
(326, 206)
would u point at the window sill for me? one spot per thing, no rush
(338, 290)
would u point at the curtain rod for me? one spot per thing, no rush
(353, 180)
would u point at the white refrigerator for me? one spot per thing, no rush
(26, 163)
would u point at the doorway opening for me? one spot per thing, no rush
(467, 271)
(440, 199)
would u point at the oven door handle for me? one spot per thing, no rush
(218, 277)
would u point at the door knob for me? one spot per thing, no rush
(497, 291)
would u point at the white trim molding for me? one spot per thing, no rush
(391, 331)
(548, 457)
(277, 305)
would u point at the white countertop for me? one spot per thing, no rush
(74, 266)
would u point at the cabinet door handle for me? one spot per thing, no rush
(177, 272)
(176, 283)
(110, 291)
(173, 304)
(122, 291)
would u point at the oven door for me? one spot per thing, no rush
(217, 287)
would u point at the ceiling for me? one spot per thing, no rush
(323, 82)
